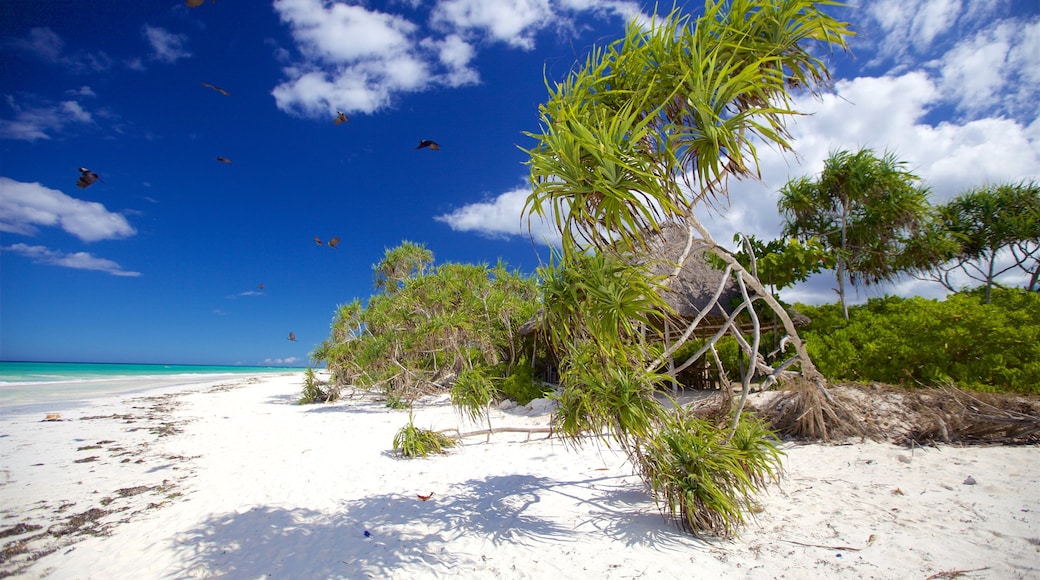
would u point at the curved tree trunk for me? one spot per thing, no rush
(809, 370)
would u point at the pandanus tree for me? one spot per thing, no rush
(644, 135)
(982, 234)
(864, 208)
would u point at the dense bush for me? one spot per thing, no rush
(916, 341)
(521, 386)
(429, 325)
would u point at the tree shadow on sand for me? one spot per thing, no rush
(407, 536)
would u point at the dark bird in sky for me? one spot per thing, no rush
(216, 88)
(341, 117)
(424, 497)
(334, 242)
(87, 177)
(427, 143)
(224, 160)
(260, 286)
(292, 336)
(317, 240)
(196, 3)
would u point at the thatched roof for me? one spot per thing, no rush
(692, 290)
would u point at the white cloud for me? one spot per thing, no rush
(339, 32)
(455, 54)
(84, 91)
(41, 122)
(25, 206)
(903, 30)
(998, 69)
(511, 21)
(501, 217)
(282, 361)
(76, 260)
(167, 46)
(356, 59)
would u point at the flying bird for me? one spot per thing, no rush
(334, 242)
(196, 3)
(424, 497)
(427, 143)
(260, 286)
(216, 88)
(341, 117)
(292, 336)
(317, 240)
(87, 177)
(224, 160)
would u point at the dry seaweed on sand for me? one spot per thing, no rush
(951, 415)
(906, 416)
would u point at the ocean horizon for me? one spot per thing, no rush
(25, 383)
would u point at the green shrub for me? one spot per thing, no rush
(520, 385)
(703, 481)
(916, 341)
(412, 441)
(393, 401)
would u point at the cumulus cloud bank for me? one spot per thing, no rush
(355, 59)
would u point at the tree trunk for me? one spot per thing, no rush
(809, 370)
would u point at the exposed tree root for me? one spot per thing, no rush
(806, 410)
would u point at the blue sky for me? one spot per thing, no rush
(162, 260)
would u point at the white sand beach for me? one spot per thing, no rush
(236, 480)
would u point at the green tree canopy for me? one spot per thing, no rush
(656, 122)
(429, 324)
(983, 233)
(863, 208)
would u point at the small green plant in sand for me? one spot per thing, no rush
(316, 390)
(394, 401)
(411, 441)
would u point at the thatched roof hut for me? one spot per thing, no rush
(690, 292)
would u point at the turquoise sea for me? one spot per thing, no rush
(31, 383)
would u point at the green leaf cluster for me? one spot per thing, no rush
(916, 341)
(862, 207)
(705, 481)
(782, 263)
(680, 101)
(982, 233)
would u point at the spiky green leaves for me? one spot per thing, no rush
(704, 482)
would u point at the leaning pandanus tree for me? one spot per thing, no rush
(642, 137)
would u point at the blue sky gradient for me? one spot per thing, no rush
(162, 260)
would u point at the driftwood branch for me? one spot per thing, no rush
(528, 430)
